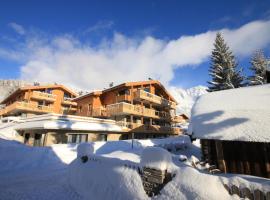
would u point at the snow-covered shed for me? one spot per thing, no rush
(234, 128)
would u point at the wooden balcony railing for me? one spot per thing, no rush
(68, 101)
(126, 108)
(99, 112)
(124, 97)
(43, 96)
(149, 128)
(141, 94)
(25, 106)
(66, 110)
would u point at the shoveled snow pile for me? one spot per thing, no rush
(187, 97)
(105, 178)
(156, 158)
(85, 149)
(189, 183)
(241, 114)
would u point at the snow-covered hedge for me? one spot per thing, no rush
(156, 158)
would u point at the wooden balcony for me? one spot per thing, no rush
(43, 96)
(70, 110)
(122, 98)
(129, 109)
(126, 108)
(68, 101)
(178, 119)
(99, 112)
(25, 106)
(138, 127)
(147, 96)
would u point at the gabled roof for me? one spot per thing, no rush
(241, 114)
(39, 87)
(129, 84)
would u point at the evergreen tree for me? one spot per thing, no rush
(258, 67)
(223, 70)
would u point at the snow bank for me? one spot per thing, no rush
(156, 158)
(105, 178)
(241, 114)
(189, 183)
(85, 149)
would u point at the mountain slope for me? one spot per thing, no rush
(187, 97)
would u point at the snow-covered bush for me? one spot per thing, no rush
(85, 149)
(156, 158)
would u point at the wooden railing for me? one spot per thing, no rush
(43, 96)
(141, 94)
(126, 108)
(68, 110)
(68, 101)
(122, 98)
(150, 128)
(99, 112)
(26, 107)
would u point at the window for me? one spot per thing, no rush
(103, 137)
(26, 138)
(123, 92)
(77, 138)
(38, 140)
(49, 90)
(147, 89)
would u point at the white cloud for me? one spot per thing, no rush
(100, 25)
(17, 28)
(65, 59)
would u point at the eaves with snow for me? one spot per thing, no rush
(241, 114)
(68, 123)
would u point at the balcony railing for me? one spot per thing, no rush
(66, 110)
(149, 128)
(126, 108)
(68, 101)
(141, 94)
(124, 97)
(99, 112)
(25, 106)
(43, 96)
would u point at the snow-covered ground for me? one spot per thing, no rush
(55, 173)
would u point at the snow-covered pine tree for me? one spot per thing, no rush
(258, 67)
(223, 69)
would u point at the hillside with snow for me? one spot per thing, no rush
(8, 86)
(187, 97)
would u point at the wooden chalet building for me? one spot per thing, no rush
(234, 128)
(39, 99)
(144, 108)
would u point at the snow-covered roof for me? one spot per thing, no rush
(68, 122)
(241, 114)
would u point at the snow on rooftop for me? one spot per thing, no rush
(241, 114)
(68, 122)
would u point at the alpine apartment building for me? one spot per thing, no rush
(33, 100)
(145, 109)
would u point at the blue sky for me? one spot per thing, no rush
(88, 44)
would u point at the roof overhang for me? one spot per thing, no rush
(68, 123)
